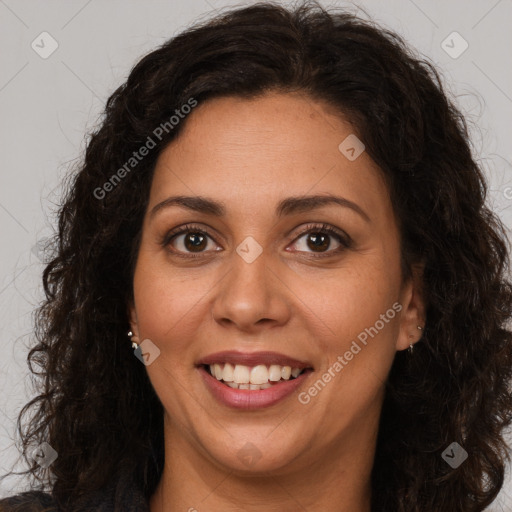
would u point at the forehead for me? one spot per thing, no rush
(249, 153)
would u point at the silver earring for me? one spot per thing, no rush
(134, 339)
(411, 348)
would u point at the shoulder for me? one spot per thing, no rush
(32, 501)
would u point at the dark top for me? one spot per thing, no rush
(120, 496)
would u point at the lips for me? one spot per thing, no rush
(245, 399)
(253, 359)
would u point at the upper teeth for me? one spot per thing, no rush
(252, 375)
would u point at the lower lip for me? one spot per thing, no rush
(251, 399)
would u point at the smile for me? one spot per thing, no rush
(249, 396)
(253, 378)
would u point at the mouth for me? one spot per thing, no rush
(246, 388)
(253, 378)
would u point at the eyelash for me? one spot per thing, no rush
(324, 229)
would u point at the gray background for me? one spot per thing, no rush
(48, 104)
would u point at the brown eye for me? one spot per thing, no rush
(194, 241)
(318, 239)
(189, 241)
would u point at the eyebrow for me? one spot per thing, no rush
(286, 207)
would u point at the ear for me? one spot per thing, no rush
(413, 309)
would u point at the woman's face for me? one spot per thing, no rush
(255, 273)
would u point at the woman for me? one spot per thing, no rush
(281, 215)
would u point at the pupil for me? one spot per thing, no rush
(196, 241)
(197, 244)
(319, 240)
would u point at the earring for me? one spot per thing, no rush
(411, 348)
(134, 339)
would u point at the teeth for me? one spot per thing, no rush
(256, 377)
(241, 374)
(259, 374)
(274, 373)
(217, 371)
(227, 374)
(254, 387)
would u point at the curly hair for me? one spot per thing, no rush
(96, 405)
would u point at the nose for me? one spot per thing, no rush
(252, 295)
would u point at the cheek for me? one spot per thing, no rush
(162, 299)
(362, 312)
(372, 317)
(353, 299)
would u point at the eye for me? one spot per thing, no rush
(318, 240)
(187, 238)
(190, 239)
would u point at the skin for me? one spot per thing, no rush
(249, 155)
